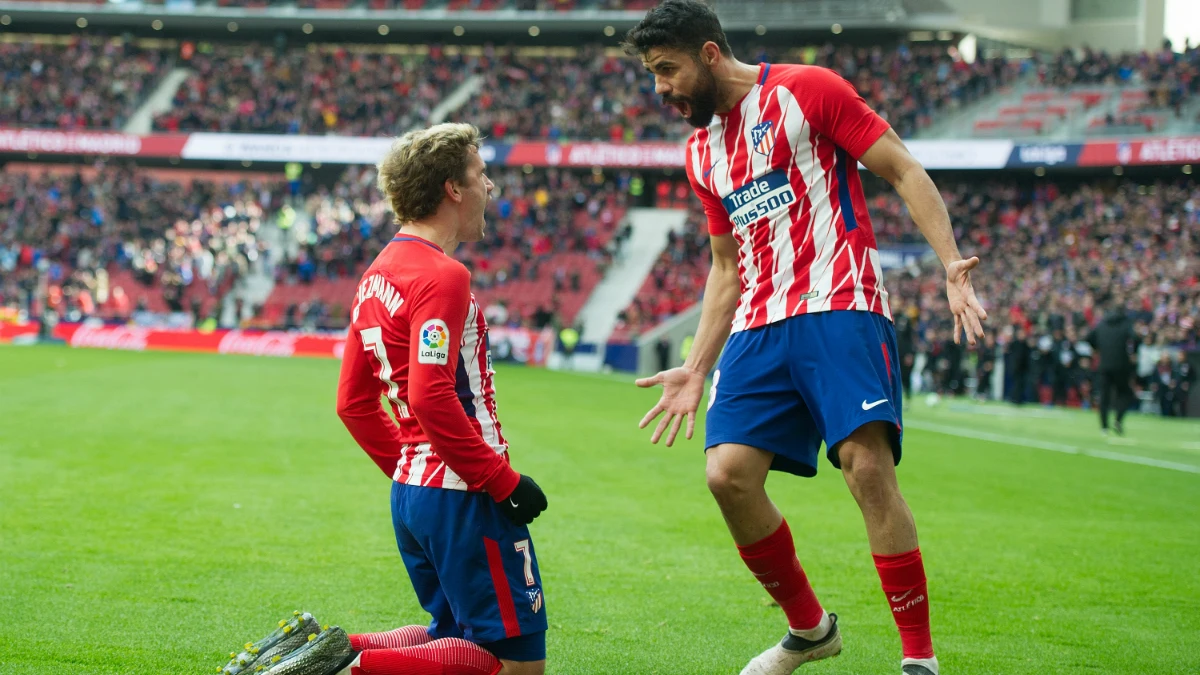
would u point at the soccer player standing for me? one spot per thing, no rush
(418, 338)
(796, 299)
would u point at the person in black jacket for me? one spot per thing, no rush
(1112, 339)
(906, 348)
(1019, 353)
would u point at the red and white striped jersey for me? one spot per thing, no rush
(780, 172)
(418, 338)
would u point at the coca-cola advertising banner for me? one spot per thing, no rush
(519, 345)
(253, 343)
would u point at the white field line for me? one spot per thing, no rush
(1049, 445)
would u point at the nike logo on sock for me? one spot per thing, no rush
(868, 406)
(902, 597)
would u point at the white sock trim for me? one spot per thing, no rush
(817, 632)
(930, 663)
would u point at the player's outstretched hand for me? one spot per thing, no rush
(968, 313)
(526, 502)
(682, 390)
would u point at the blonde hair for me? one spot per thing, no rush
(415, 169)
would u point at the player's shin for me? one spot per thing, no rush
(773, 562)
(448, 656)
(903, 579)
(397, 638)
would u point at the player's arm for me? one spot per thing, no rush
(890, 160)
(721, 293)
(443, 304)
(683, 387)
(839, 113)
(359, 407)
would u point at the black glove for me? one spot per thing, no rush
(525, 503)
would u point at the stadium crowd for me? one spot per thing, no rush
(345, 90)
(550, 233)
(178, 245)
(554, 93)
(75, 83)
(1063, 250)
(1171, 77)
(598, 94)
(110, 240)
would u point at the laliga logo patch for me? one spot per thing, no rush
(535, 600)
(435, 343)
(763, 137)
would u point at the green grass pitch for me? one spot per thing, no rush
(159, 510)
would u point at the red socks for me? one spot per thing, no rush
(398, 638)
(773, 562)
(448, 656)
(903, 577)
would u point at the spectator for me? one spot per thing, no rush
(76, 82)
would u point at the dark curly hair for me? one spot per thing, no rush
(677, 24)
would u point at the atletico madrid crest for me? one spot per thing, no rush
(763, 136)
(535, 600)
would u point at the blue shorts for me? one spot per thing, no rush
(473, 570)
(788, 386)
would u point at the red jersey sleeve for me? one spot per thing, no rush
(360, 409)
(714, 210)
(437, 314)
(836, 111)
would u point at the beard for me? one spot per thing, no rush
(701, 105)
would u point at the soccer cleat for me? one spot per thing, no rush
(794, 651)
(291, 634)
(919, 666)
(325, 654)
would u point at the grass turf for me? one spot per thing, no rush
(158, 510)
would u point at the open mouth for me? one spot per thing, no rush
(682, 106)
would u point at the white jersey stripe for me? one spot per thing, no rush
(860, 297)
(784, 246)
(825, 238)
(416, 466)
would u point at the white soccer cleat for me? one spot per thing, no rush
(794, 651)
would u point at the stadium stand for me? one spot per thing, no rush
(550, 236)
(75, 82)
(1130, 93)
(171, 240)
(594, 93)
(1061, 248)
(350, 90)
(563, 93)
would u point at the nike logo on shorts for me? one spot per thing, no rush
(868, 406)
(515, 505)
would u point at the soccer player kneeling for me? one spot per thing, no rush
(460, 511)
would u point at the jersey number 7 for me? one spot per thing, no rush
(372, 339)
